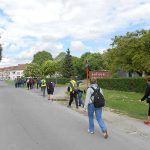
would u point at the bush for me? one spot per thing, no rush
(58, 80)
(123, 84)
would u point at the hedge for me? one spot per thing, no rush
(58, 80)
(123, 84)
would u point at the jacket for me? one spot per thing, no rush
(72, 85)
(89, 93)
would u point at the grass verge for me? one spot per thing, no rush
(127, 103)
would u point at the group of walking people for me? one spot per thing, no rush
(43, 84)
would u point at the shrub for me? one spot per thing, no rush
(123, 84)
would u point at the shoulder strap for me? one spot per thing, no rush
(92, 88)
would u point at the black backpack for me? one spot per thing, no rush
(97, 98)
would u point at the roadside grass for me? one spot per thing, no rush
(127, 103)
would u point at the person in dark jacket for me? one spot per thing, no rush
(50, 90)
(147, 97)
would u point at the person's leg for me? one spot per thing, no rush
(44, 91)
(78, 96)
(76, 100)
(80, 100)
(71, 99)
(91, 118)
(98, 113)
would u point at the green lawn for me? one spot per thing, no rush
(126, 103)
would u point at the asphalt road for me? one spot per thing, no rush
(30, 122)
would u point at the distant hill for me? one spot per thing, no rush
(60, 56)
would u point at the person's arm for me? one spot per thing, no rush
(146, 94)
(87, 98)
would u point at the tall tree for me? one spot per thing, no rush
(41, 57)
(67, 67)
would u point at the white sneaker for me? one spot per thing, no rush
(92, 132)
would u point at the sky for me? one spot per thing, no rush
(30, 26)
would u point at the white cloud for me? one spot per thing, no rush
(46, 22)
(77, 46)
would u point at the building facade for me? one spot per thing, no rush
(12, 72)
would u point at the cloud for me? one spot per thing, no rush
(41, 24)
(77, 46)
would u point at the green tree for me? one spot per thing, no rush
(41, 57)
(130, 52)
(33, 70)
(60, 56)
(67, 67)
(49, 68)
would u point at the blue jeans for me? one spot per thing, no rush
(80, 99)
(98, 113)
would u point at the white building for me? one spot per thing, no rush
(12, 72)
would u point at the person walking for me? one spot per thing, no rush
(50, 90)
(79, 94)
(43, 86)
(91, 109)
(147, 97)
(72, 89)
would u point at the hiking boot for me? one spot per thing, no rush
(105, 134)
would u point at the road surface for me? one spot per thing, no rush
(30, 122)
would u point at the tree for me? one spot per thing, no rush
(49, 68)
(67, 67)
(1, 51)
(60, 56)
(41, 57)
(131, 52)
(33, 70)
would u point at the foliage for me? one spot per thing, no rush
(130, 52)
(49, 68)
(41, 57)
(123, 84)
(67, 67)
(60, 56)
(33, 70)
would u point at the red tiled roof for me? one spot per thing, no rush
(19, 67)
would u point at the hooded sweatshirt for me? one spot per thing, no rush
(89, 93)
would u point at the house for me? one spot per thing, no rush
(12, 72)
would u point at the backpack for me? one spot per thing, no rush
(97, 98)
